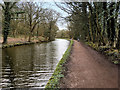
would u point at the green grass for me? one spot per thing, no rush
(53, 82)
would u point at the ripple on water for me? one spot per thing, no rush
(31, 66)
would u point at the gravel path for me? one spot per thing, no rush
(89, 69)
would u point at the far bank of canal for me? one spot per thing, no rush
(31, 66)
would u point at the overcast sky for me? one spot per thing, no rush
(61, 23)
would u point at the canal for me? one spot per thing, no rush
(31, 66)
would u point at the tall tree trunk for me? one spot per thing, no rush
(90, 23)
(112, 20)
(104, 21)
(85, 19)
(116, 24)
(108, 30)
(6, 26)
(118, 41)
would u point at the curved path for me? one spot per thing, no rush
(89, 69)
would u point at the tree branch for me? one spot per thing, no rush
(3, 7)
(12, 5)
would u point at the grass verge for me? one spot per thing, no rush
(53, 82)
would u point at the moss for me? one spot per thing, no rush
(95, 46)
(58, 73)
(103, 48)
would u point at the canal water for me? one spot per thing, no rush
(31, 66)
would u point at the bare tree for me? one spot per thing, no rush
(35, 14)
(51, 19)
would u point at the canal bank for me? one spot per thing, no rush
(54, 81)
(19, 44)
(12, 42)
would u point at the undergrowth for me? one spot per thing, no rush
(112, 53)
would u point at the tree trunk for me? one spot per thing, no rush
(112, 25)
(30, 35)
(104, 21)
(118, 41)
(6, 25)
(90, 23)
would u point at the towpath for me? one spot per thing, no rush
(89, 69)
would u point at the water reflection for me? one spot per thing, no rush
(31, 65)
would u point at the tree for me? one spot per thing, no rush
(34, 14)
(63, 34)
(95, 21)
(51, 20)
(7, 9)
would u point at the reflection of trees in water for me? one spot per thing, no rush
(7, 63)
(39, 55)
(18, 59)
(24, 58)
(43, 56)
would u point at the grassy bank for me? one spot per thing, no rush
(16, 44)
(58, 73)
(112, 53)
(19, 44)
(12, 42)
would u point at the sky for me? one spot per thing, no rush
(61, 23)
